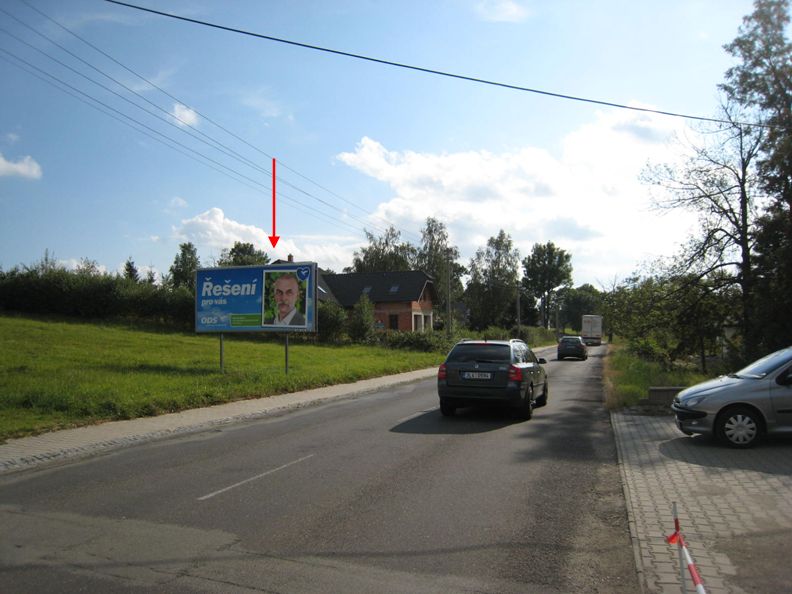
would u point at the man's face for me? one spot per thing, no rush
(286, 293)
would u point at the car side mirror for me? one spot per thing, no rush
(542, 361)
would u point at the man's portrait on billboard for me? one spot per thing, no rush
(284, 299)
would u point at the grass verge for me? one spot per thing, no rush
(627, 377)
(56, 374)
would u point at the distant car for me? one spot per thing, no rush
(572, 346)
(482, 371)
(739, 409)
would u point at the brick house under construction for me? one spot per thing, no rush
(402, 300)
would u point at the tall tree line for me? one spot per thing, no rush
(732, 280)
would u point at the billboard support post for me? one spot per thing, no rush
(287, 354)
(222, 366)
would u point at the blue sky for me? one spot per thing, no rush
(359, 145)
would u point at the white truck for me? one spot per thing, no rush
(592, 330)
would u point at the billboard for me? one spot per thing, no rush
(277, 297)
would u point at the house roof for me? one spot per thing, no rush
(381, 287)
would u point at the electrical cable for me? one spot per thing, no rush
(164, 139)
(200, 114)
(217, 145)
(432, 71)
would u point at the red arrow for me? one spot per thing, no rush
(273, 238)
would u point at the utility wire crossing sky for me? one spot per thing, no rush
(378, 146)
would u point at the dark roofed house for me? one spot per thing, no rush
(402, 300)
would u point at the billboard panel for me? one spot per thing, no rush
(278, 297)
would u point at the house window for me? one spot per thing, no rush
(366, 290)
(393, 321)
(394, 289)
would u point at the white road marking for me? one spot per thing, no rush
(418, 414)
(253, 478)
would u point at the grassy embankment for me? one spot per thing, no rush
(628, 378)
(56, 374)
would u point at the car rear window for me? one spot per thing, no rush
(570, 339)
(483, 353)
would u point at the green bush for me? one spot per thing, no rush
(417, 341)
(332, 320)
(360, 325)
(87, 294)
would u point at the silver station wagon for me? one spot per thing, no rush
(741, 408)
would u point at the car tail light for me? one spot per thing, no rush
(441, 372)
(515, 374)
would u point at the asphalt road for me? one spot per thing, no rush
(377, 493)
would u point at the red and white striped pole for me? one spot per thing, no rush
(678, 539)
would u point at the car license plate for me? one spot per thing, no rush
(477, 375)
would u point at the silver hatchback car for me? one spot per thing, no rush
(742, 407)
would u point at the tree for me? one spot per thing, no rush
(577, 303)
(332, 322)
(88, 267)
(439, 260)
(763, 81)
(131, 271)
(666, 318)
(185, 264)
(361, 321)
(242, 254)
(492, 290)
(384, 254)
(773, 294)
(718, 182)
(547, 268)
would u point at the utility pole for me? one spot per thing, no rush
(519, 329)
(448, 292)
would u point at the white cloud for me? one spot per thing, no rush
(502, 11)
(261, 101)
(213, 231)
(177, 202)
(11, 138)
(588, 200)
(24, 167)
(184, 116)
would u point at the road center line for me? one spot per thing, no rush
(253, 478)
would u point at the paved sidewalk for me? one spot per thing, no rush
(734, 506)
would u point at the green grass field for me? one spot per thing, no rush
(56, 373)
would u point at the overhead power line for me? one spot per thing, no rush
(159, 136)
(433, 71)
(184, 127)
(199, 113)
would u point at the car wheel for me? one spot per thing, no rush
(542, 400)
(739, 427)
(525, 410)
(446, 408)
